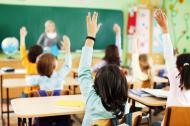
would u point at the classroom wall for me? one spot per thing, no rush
(112, 4)
(178, 12)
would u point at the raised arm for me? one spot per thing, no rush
(23, 52)
(167, 46)
(117, 30)
(62, 73)
(85, 76)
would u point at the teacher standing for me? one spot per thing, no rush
(49, 38)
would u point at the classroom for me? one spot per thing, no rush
(95, 62)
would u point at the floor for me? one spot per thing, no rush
(13, 121)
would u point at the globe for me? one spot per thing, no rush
(10, 46)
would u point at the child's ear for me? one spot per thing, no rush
(55, 65)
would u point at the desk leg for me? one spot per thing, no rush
(132, 109)
(150, 116)
(1, 86)
(8, 118)
(19, 121)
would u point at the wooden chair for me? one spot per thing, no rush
(136, 120)
(177, 116)
(36, 94)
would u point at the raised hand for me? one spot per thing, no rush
(66, 44)
(161, 20)
(117, 28)
(23, 32)
(92, 26)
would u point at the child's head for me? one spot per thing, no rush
(111, 85)
(34, 52)
(112, 55)
(50, 26)
(46, 64)
(183, 65)
(144, 62)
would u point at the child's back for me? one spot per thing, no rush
(105, 97)
(48, 79)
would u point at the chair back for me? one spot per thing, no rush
(42, 93)
(136, 120)
(177, 116)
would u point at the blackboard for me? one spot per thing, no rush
(69, 21)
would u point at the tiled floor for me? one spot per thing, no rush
(13, 121)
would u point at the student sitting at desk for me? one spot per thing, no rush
(112, 52)
(179, 72)
(47, 64)
(29, 59)
(141, 66)
(106, 97)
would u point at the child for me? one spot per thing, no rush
(141, 65)
(29, 59)
(106, 97)
(179, 72)
(48, 79)
(49, 38)
(112, 52)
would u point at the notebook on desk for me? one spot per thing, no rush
(160, 93)
(139, 92)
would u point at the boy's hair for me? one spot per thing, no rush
(112, 55)
(34, 52)
(46, 64)
(183, 65)
(111, 86)
(144, 62)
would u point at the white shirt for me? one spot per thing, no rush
(177, 97)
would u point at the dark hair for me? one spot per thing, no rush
(46, 64)
(111, 85)
(34, 52)
(112, 55)
(183, 65)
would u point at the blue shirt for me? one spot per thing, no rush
(94, 108)
(56, 81)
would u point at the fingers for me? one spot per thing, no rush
(88, 20)
(99, 26)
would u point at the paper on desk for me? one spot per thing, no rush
(70, 103)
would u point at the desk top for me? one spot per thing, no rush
(45, 106)
(148, 101)
(20, 82)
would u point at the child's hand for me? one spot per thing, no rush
(161, 19)
(66, 43)
(92, 26)
(23, 32)
(117, 29)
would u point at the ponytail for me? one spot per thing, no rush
(185, 76)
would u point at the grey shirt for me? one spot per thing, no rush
(45, 41)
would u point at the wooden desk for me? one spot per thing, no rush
(18, 73)
(44, 106)
(21, 83)
(150, 102)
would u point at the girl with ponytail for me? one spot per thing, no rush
(178, 71)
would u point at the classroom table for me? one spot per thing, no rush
(28, 108)
(150, 102)
(21, 83)
(18, 73)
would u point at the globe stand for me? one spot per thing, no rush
(10, 57)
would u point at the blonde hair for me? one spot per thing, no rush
(47, 23)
